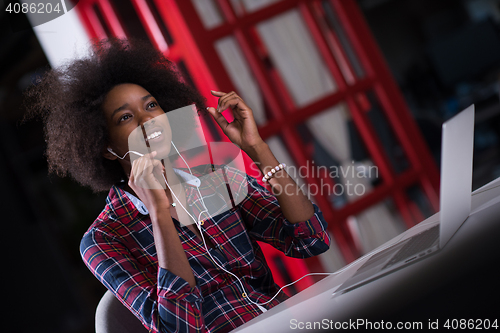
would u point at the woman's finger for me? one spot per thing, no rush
(137, 165)
(157, 171)
(142, 173)
(223, 97)
(229, 100)
(219, 118)
(137, 171)
(217, 93)
(132, 179)
(151, 175)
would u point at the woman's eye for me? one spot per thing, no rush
(125, 117)
(152, 105)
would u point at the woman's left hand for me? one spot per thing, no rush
(242, 131)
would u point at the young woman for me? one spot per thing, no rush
(206, 275)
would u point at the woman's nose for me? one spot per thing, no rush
(146, 120)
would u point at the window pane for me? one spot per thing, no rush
(420, 206)
(397, 157)
(332, 259)
(376, 225)
(248, 6)
(209, 13)
(335, 25)
(238, 70)
(295, 56)
(338, 156)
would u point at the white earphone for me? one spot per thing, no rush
(121, 158)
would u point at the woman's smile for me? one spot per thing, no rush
(154, 136)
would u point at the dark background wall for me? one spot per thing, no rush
(445, 56)
(47, 288)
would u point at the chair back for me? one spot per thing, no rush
(113, 317)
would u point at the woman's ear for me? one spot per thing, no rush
(109, 154)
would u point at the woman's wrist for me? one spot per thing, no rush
(155, 200)
(256, 151)
(156, 211)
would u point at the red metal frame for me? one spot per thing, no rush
(148, 21)
(194, 45)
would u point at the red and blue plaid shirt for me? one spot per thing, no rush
(119, 250)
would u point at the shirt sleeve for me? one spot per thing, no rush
(163, 303)
(266, 223)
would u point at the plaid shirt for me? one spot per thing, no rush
(119, 250)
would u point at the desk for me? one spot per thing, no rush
(454, 282)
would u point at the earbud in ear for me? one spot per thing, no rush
(112, 152)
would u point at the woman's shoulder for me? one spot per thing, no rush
(117, 212)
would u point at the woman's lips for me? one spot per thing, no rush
(155, 135)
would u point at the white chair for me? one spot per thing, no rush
(113, 317)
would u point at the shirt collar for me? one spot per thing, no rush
(188, 178)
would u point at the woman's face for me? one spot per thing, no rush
(127, 108)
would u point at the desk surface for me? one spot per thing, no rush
(465, 262)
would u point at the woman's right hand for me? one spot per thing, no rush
(147, 181)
